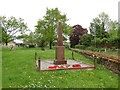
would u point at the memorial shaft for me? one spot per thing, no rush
(60, 57)
(60, 40)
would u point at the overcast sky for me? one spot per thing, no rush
(78, 11)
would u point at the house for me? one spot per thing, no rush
(12, 43)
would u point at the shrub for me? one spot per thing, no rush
(66, 46)
(113, 48)
(102, 49)
(92, 42)
(91, 48)
(83, 47)
(72, 46)
(86, 39)
(31, 46)
(104, 41)
(115, 40)
(98, 41)
(97, 49)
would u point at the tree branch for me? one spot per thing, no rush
(4, 27)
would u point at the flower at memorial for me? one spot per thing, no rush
(53, 67)
(62, 66)
(76, 65)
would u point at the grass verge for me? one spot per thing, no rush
(19, 71)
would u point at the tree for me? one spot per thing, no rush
(99, 26)
(47, 28)
(0, 34)
(10, 27)
(31, 38)
(86, 39)
(113, 29)
(41, 33)
(77, 33)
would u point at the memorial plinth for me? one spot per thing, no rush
(60, 57)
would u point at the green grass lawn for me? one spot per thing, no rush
(110, 52)
(19, 71)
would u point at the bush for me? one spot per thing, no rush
(92, 42)
(98, 41)
(86, 39)
(91, 48)
(113, 48)
(66, 46)
(104, 41)
(115, 41)
(83, 47)
(102, 49)
(31, 46)
(72, 46)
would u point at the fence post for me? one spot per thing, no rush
(35, 55)
(39, 64)
(72, 55)
(95, 61)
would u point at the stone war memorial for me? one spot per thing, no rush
(60, 63)
(60, 57)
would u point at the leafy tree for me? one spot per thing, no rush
(10, 26)
(77, 33)
(99, 26)
(104, 41)
(86, 39)
(41, 34)
(0, 34)
(31, 38)
(47, 28)
(113, 29)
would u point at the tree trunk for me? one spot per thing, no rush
(6, 42)
(50, 44)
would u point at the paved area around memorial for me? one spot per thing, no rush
(46, 63)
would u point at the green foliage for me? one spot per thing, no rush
(86, 39)
(66, 46)
(113, 29)
(27, 75)
(46, 29)
(115, 40)
(83, 47)
(31, 46)
(92, 41)
(102, 49)
(91, 48)
(98, 41)
(113, 48)
(10, 26)
(99, 25)
(104, 41)
(30, 38)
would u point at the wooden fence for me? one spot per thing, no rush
(108, 61)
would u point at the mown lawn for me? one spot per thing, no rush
(19, 71)
(110, 52)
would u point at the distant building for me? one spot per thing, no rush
(12, 43)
